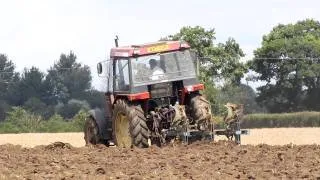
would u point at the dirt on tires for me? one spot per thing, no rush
(200, 160)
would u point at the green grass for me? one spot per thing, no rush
(22, 121)
(297, 119)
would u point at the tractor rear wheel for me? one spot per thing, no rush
(129, 125)
(91, 131)
(200, 109)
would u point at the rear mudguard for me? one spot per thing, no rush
(103, 125)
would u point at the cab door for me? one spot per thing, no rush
(121, 83)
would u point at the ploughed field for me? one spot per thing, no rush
(69, 159)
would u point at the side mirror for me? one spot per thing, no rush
(99, 68)
(103, 68)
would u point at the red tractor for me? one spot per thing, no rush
(153, 97)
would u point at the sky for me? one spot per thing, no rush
(36, 32)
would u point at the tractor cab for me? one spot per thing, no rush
(132, 70)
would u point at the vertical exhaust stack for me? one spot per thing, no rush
(116, 41)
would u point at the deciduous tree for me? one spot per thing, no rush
(289, 62)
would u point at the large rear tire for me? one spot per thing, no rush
(200, 109)
(91, 131)
(129, 125)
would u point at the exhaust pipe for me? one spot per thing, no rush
(116, 41)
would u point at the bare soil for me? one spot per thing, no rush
(200, 160)
(291, 153)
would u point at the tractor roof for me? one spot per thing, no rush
(149, 48)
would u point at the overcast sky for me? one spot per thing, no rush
(36, 32)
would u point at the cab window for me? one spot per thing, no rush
(122, 81)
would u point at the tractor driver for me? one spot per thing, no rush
(157, 72)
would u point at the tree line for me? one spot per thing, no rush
(287, 66)
(64, 89)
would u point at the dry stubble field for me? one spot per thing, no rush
(274, 136)
(265, 154)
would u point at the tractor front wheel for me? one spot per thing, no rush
(129, 125)
(91, 131)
